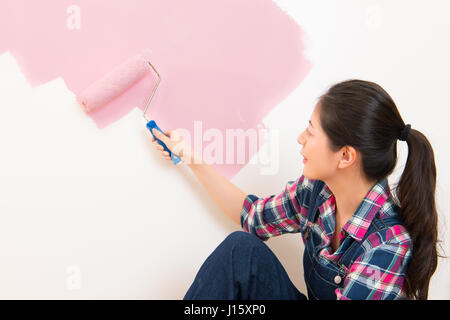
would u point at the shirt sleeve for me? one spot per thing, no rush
(378, 274)
(277, 214)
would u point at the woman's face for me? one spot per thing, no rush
(321, 163)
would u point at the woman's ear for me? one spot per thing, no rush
(347, 156)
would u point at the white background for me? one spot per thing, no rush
(88, 213)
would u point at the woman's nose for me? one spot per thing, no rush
(301, 139)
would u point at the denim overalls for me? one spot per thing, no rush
(322, 276)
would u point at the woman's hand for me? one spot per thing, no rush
(175, 143)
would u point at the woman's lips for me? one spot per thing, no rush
(304, 159)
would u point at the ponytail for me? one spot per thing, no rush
(416, 193)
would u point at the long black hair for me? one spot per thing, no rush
(362, 114)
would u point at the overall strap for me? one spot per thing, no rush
(377, 226)
(383, 224)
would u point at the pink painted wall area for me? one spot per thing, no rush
(226, 63)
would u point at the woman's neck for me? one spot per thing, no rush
(349, 192)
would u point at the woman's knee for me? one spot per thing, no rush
(239, 237)
(242, 239)
(236, 235)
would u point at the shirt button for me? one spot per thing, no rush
(337, 279)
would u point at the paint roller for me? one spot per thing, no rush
(115, 83)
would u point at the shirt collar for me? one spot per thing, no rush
(375, 198)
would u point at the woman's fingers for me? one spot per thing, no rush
(174, 142)
(164, 153)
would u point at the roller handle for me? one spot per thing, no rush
(152, 125)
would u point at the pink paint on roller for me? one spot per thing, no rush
(114, 83)
(226, 63)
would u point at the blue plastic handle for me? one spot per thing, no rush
(152, 125)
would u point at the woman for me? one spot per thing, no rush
(361, 242)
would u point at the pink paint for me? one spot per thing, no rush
(227, 63)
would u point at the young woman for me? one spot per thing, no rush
(361, 241)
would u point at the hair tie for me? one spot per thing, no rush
(405, 132)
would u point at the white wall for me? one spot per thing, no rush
(88, 213)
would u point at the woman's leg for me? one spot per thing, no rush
(242, 267)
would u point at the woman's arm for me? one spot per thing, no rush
(225, 194)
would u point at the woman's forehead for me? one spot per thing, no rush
(314, 119)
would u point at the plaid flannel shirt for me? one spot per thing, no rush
(384, 261)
